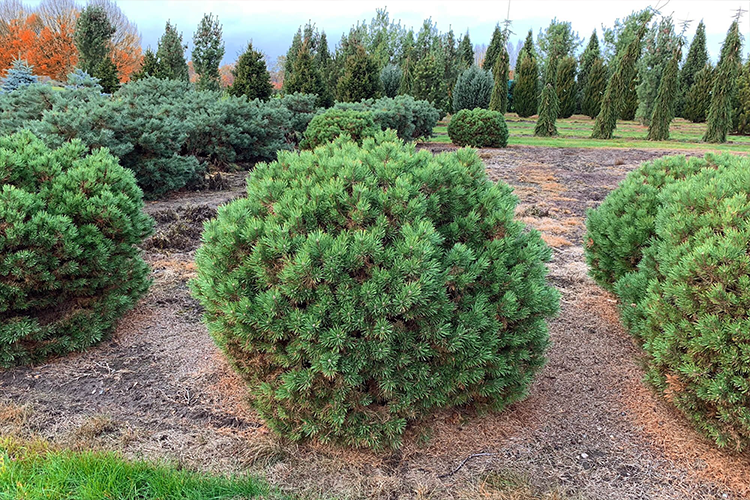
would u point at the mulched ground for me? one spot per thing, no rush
(589, 429)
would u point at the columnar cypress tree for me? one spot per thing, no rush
(586, 63)
(617, 87)
(525, 96)
(20, 74)
(596, 84)
(565, 87)
(497, 44)
(361, 78)
(549, 108)
(251, 77)
(171, 55)
(93, 34)
(108, 76)
(499, 99)
(208, 52)
(696, 60)
(725, 85)
(698, 97)
(465, 52)
(658, 129)
(149, 66)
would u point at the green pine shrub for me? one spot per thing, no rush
(303, 107)
(69, 265)
(478, 128)
(410, 118)
(336, 122)
(619, 229)
(688, 302)
(358, 289)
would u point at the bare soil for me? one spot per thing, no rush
(589, 429)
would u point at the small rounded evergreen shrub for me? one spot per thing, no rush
(478, 128)
(689, 302)
(69, 267)
(359, 288)
(327, 126)
(621, 227)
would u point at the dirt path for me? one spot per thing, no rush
(590, 428)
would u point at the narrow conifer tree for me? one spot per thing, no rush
(149, 66)
(251, 77)
(465, 52)
(719, 117)
(549, 107)
(699, 96)
(696, 60)
(742, 112)
(617, 87)
(586, 63)
(658, 129)
(171, 55)
(499, 99)
(565, 87)
(525, 95)
(208, 52)
(93, 34)
(361, 78)
(497, 44)
(108, 76)
(596, 84)
(305, 77)
(527, 48)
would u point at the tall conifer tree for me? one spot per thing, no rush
(171, 55)
(696, 60)
(549, 108)
(719, 117)
(565, 87)
(525, 96)
(497, 44)
(208, 51)
(251, 77)
(499, 99)
(658, 129)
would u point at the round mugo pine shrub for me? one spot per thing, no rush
(688, 304)
(478, 128)
(69, 265)
(622, 226)
(327, 126)
(357, 289)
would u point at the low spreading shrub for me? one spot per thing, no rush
(479, 128)
(688, 303)
(410, 118)
(69, 265)
(334, 122)
(622, 226)
(357, 289)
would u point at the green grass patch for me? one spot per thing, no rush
(31, 470)
(575, 132)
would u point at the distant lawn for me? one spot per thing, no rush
(31, 470)
(575, 132)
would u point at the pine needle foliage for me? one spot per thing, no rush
(622, 226)
(390, 80)
(549, 108)
(499, 97)
(719, 118)
(326, 127)
(411, 119)
(687, 304)
(525, 94)
(69, 265)
(357, 289)
(478, 128)
(663, 113)
(473, 89)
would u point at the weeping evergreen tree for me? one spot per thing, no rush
(565, 87)
(549, 107)
(658, 129)
(596, 84)
(499, 99)
(696, 60)
(725, 85)
(659, 46)
(699, 96)
(465, 52)
(742, 111)
(497, 45)
(630, 102)
(525, 95)
(617, 87)
(586, 63)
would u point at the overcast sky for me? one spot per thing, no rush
(271, 24)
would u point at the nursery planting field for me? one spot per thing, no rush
(589, 429)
